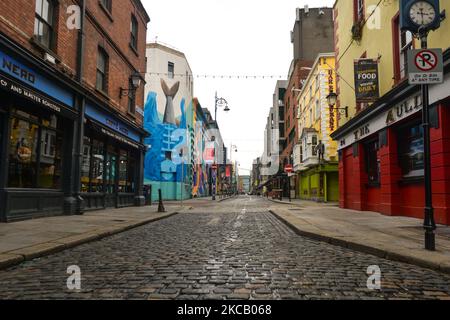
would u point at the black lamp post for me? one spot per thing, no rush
(220, 102)
(429, 222)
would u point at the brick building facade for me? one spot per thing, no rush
(71, 129)
(313, 33)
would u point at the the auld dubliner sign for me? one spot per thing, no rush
(399, 112)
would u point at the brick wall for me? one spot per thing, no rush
(110, 31)
(299, 73)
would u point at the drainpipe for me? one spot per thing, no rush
(79, 139)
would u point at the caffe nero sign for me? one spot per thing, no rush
(13, 69)
(366, 80)
(30, 95)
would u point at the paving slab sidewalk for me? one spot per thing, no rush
(394, 238)
(30, 239)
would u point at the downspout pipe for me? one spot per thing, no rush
(79, 139)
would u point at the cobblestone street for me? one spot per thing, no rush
(234, 250)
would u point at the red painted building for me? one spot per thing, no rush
(381, 153)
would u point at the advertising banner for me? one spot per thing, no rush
(366, 80)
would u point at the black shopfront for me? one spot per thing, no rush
(110, 175)
(38, 146)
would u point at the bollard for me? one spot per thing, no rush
(160, 205)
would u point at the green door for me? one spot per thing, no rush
(333, 186)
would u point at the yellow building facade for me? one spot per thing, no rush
(381, 142)
(315, 155)
(378, 39)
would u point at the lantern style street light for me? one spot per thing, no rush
(332, 101)
(135, 84)
(220, 102)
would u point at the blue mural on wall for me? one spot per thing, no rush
(165, 137)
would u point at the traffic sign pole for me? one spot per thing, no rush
(429, 222)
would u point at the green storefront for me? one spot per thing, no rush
(320, 183)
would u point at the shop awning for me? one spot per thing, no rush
(114, 134)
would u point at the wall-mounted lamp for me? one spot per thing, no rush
(135, 83)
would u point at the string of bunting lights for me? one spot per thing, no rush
(215, 76)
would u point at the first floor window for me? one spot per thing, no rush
(134, 32)
(131, 101)
(44, 22)
(35, 151)
(411, 151)
(107, 4)
(102, 70)
(314, 145)
(372, 162)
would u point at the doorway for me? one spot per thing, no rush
(111, 178)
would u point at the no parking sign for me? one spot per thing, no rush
(425, 66)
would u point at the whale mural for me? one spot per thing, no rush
(175, 124)
(162, 169)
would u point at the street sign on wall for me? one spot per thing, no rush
(288, 168)
(425, 66)
(366, 80)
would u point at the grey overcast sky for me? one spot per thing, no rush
(232, 37)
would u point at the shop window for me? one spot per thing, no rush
(111, 170)
(411, 151)
(86, 165)
(372, 162)
(44, 22)
(97, 169)
(126, 172)
(50, 160)
(123, 171)
(35, 151)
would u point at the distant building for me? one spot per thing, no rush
(244, 184)
(315, 155)
(312, 34)
(168, 107)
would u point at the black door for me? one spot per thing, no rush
(111, 179)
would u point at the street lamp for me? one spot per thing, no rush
(219, 102)
(235, 149)
(135, 84)
(332, 101)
